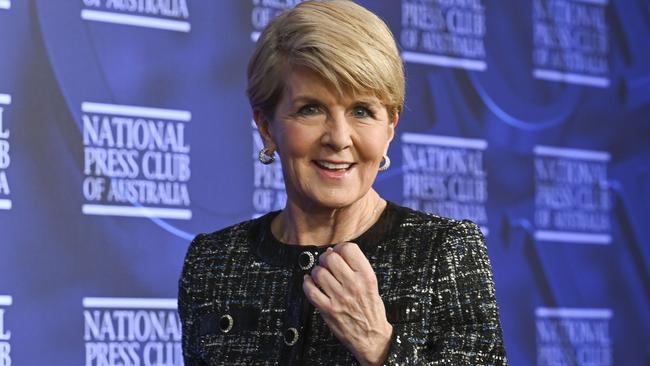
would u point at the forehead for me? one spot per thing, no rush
(302, 82)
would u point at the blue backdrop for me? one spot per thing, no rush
(125, 131)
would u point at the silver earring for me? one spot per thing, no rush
(266, 156)
(386, 163)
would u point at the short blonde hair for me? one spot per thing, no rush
(351, 48)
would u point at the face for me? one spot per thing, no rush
(330, 146)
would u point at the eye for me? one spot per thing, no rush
(309, 109)
(362, 112)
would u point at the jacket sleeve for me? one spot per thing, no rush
(465, 327)
(186, 305)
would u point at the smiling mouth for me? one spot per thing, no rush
(333, 166)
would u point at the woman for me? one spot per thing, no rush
(339, 276)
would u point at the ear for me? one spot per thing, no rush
(264, 128)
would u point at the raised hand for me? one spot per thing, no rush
(343, 287)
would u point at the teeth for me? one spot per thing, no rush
(328, 165)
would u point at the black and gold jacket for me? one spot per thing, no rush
(241, 300)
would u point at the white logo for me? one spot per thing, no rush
(5, 334)
(168, 15)
(444, 33)
(445, 176)
(571, 336)
(571, 41)
(572, 196)
(265, 10)
(136, 161)
(268, 182)
(5, 158)
(132, 331)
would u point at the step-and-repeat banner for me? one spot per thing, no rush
(125, 131)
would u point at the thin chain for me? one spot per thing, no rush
(370, 221)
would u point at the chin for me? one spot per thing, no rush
(335, 200)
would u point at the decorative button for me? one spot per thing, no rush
(306, 260)
(291, 336)
(225, 323)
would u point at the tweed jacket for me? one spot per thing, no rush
(241, 300)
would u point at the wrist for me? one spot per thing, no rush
(381, 347)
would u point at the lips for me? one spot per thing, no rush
(329, 165)
(336, 170)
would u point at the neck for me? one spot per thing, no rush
(311, 226)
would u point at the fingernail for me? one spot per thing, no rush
(330, 249)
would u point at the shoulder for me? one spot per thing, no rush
(208, 249)
(414, 220)
(436, 233)
(457, 245)
(226, 236)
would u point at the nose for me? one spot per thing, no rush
(338, 132)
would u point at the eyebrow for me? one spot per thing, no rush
(305, 99)
(366, 101)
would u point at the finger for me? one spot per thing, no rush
(315, 296)
(337, 266)
(354, 257)
(326, 281)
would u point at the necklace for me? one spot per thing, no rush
(371, 220)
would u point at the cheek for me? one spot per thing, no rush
(374, 153)
(373, 145)
(294, 141)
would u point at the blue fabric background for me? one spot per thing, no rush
(52, 255)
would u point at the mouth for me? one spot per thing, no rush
(333, 169)
(329, 165)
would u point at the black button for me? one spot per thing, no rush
(225, 323)
(306, 260)
(291, 336)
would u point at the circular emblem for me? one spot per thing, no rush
(226, 323)
(291, 336)
(306, 260)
